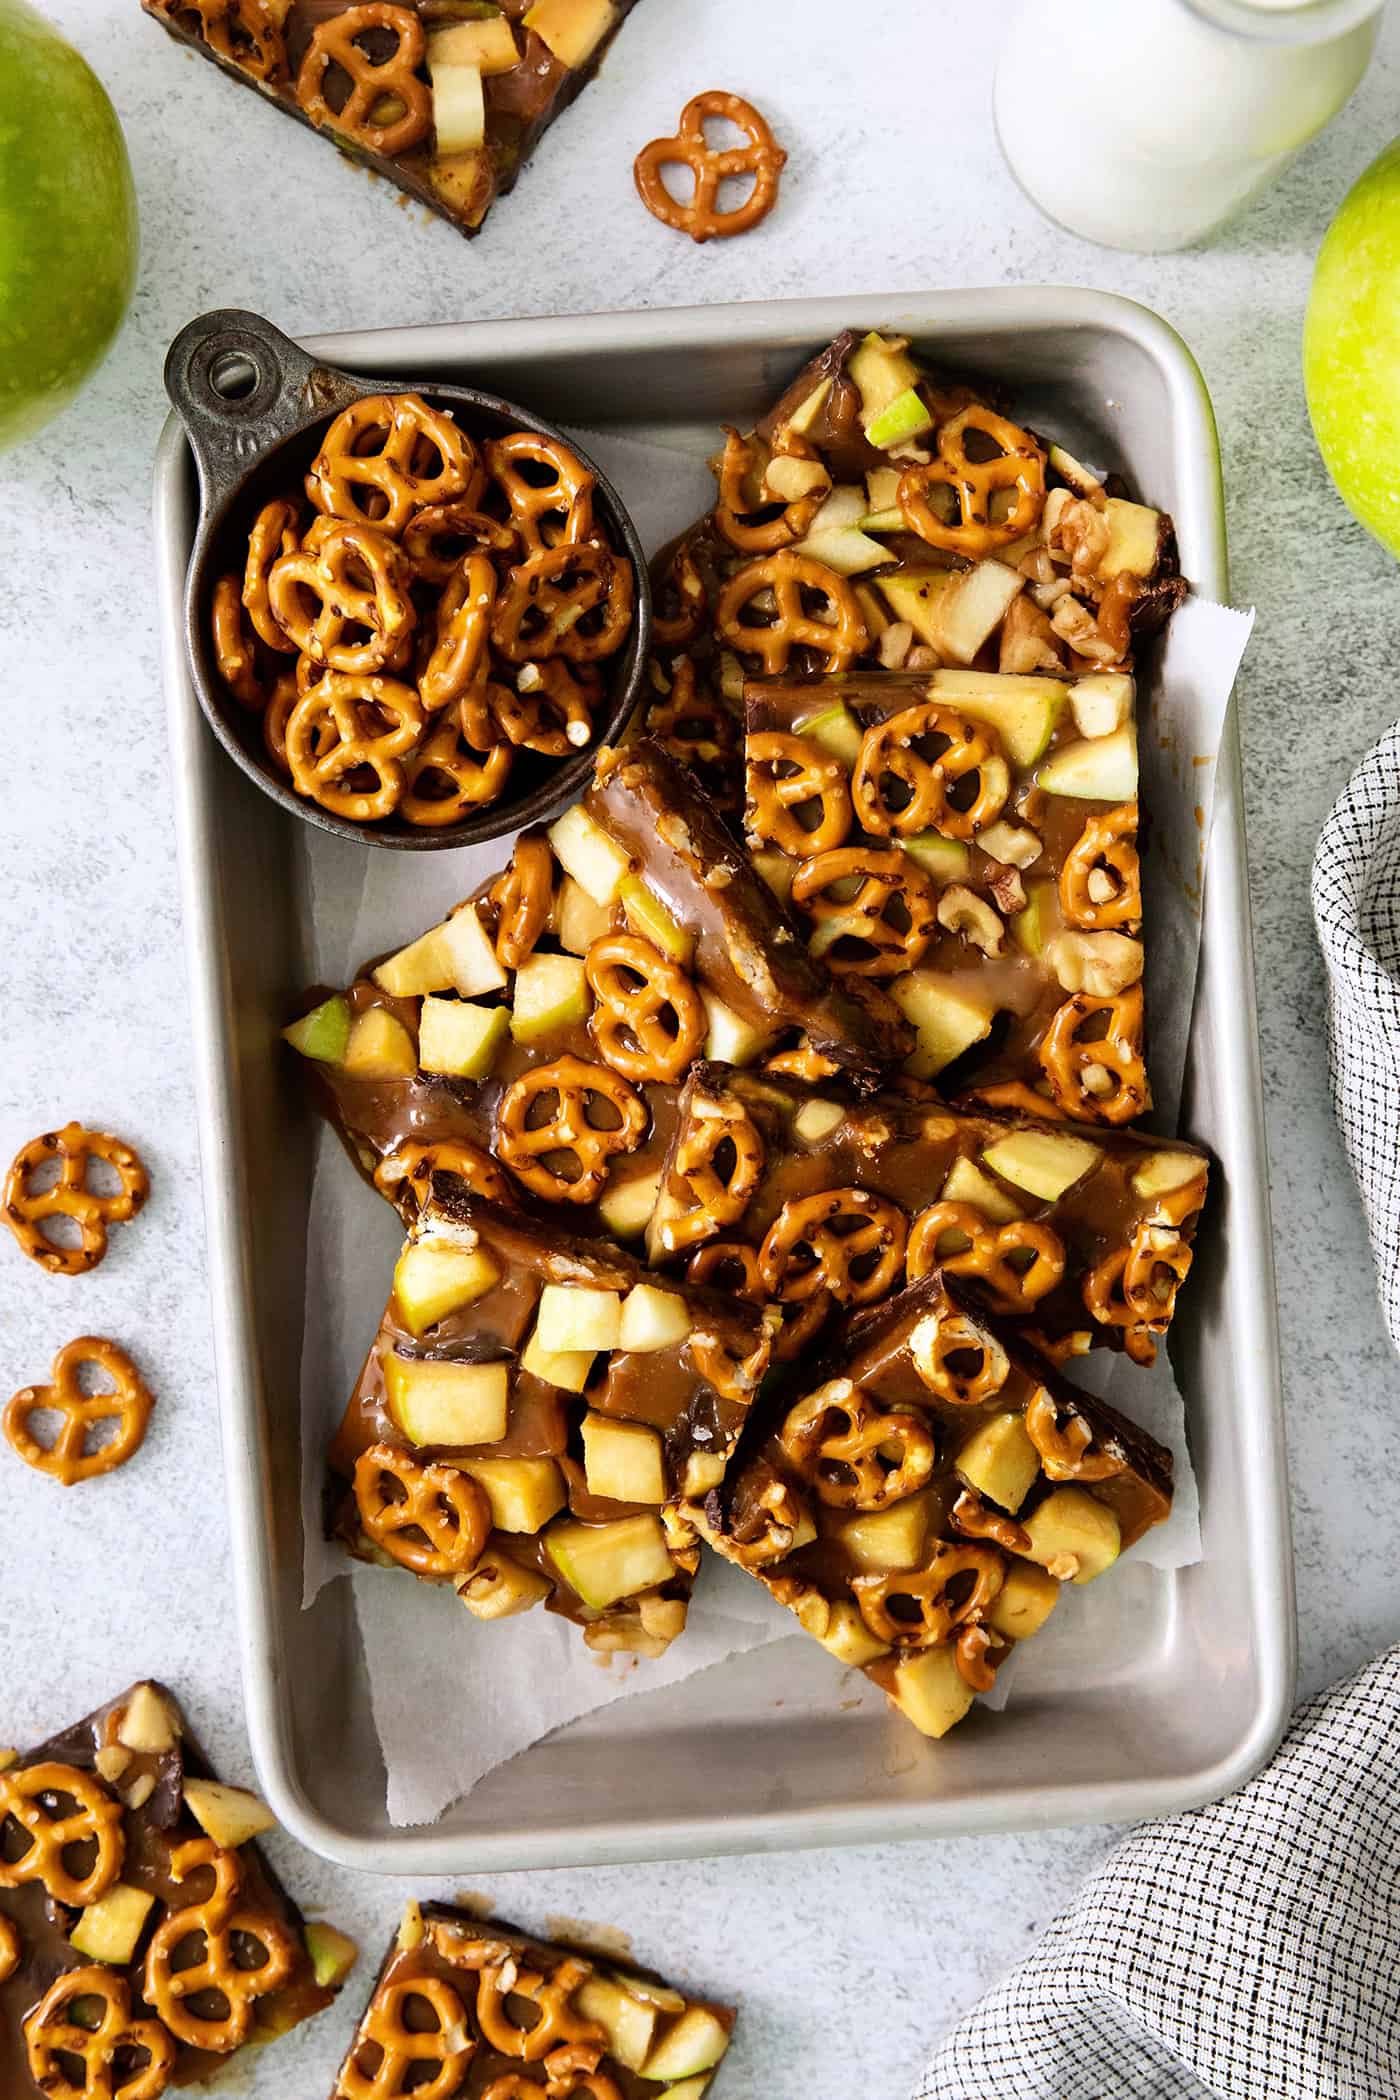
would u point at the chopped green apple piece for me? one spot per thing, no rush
(333, 1954)
(817, 1119)
(628, 2021)
(579, 921)
(447, 1403)
(459, 1038)
(1074, 1535)
(1081, 479)
(974, 608)
(567, 1368)
(968, 1184)
(625, 1206)
(947, 860)
(488, 44)
(696, 2043)
(917, 596)
(882, 490)
(907, 416)
(1024, 1602)
(846, 549)
(380, 1047)
(653, 1319)
(1000, 1461)
(231, 1815)
(809, 408)
(455, 956)
(1022, 710)
(1031, 927)
(459, 103)
(550, 994)
(731, 1040)
(777, 870)
(1162, 1172)
(888, 1538)
(524, 1493)
(929, 1690)
(850, 1640)
(788, 479)
(835, 728)
(1134, 539)
(499, 1588)
(945, 1022)
(109, 1929)
(623, 1460)
(573, 29)
(576, 1316)
(584, 850)
(1098, 769)
(1101, 702)
(843, 507)
(324, 1032)
(883, 521)
(882, 370)
(148, 1723)
(602, 1562)
(651, 921)
(433, 1279)
(1043, 1162)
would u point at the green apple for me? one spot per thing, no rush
(68, 233)
(1351, 349)
(324, 1032)
(907, 416)
(602, 1562)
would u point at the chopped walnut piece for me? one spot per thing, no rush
(140, 1791)
(961, 910)
(895, 643)
(111, 1761)
(1009, 890)
(1101, 964)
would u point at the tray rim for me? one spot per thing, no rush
(426, 1849)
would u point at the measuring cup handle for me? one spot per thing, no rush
(239, 385)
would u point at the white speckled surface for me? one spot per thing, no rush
(865, 1953)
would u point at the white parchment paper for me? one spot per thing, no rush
(425, 1654)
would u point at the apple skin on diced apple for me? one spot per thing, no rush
(604, 1562)
(579, 921)
(584, 850)
(573, 29)
(967, 1183)
(230, 1815)
(836, 729)
(109, 1929)
(1044, 1162)
(881, 371)
(1164, 1171)
(974, 608)
(1097, 769)
(623, 1461)
(451, 1404)
(777, 870)
(1033, 925)
(550, 994)
(524, 1493)
(625, 1206)
(431, 1281)
(846, 549)
(1022, 709)
(945, 1023)
(929, 1690)
(947, 860)
(906, 416)
(323, 1033)
(917, 596)
(380, 1047)
(460, 1039)
(649, 919)
(694, 2044)
(577, 1316)
(333, 1953)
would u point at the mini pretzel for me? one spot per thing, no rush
(787, 774)
(413, 1166)
(33, 1796)
(234, 651)
(973, 1647)
(359, 581)
(937, 1612)
(574, 1085)
(1019, 465)
(802, 1062)
(769, 1525)
(274, 533)
(373, 83)
(734, 1378)
(1099, 1077)
(66, 1459)
(1135, 1288)
(700, 215)
(437, 1526)
(961, 1363)
(243, 32)
(448, 775)
(10, 1948)
(682, 587)
(56, 2042)
(719, 1157)
(463, 628)
(815, 1242)
(522, 898)
(734, 515)
(1101, 880)
(402, 2051)
(559, 2022)
(873, 895)
(437, 538)
(1019, 1262)
(553, 714)
(224, 1972)
(971, 1516)
(344, 724)
(276, 715)
(801, 1324)
(70, 1197)
(648, 1020)
(698, 731)
(1015, 1094)
(557, 508)
(1065, 1447)
(573, 601)
(728, 1265)
(838, 632)
(929, 768)
(857, 1455)
(571, 2074)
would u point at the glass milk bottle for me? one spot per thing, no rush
(1145, 123)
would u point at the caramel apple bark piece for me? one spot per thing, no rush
(968, 841)
(485, 2009)
(448, 100)
(920, 1498)
(125, 1866)
(531, 1413)
(1082, 1236)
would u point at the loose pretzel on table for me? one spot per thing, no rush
(648, 1019)
(553, 511)
(31, 1798)
(522, 898)
(700, 215)
(404, 2050)
(887, 881)
(448, 774)
(1101, 880)
(1019, 1262)
(70, 1197)
(67, 1458)
(338, 727)
(956, 791)
(546, 606)
(1018, 465)
(373, 84)
(783, 577)
(572, 1084)
(855, 1454)
(1099, 1077)
(786, 775)
(56, 2041)
(732, 513)
(927, 1589)
(720, 1158)
(359, 582)
(438, 1524)
(815, 1242)
(223, 1973)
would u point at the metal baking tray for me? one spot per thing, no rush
(1180, 1694)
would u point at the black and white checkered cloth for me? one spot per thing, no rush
(1356, 903)
(1245, 1952)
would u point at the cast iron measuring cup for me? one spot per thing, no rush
(255, 408)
